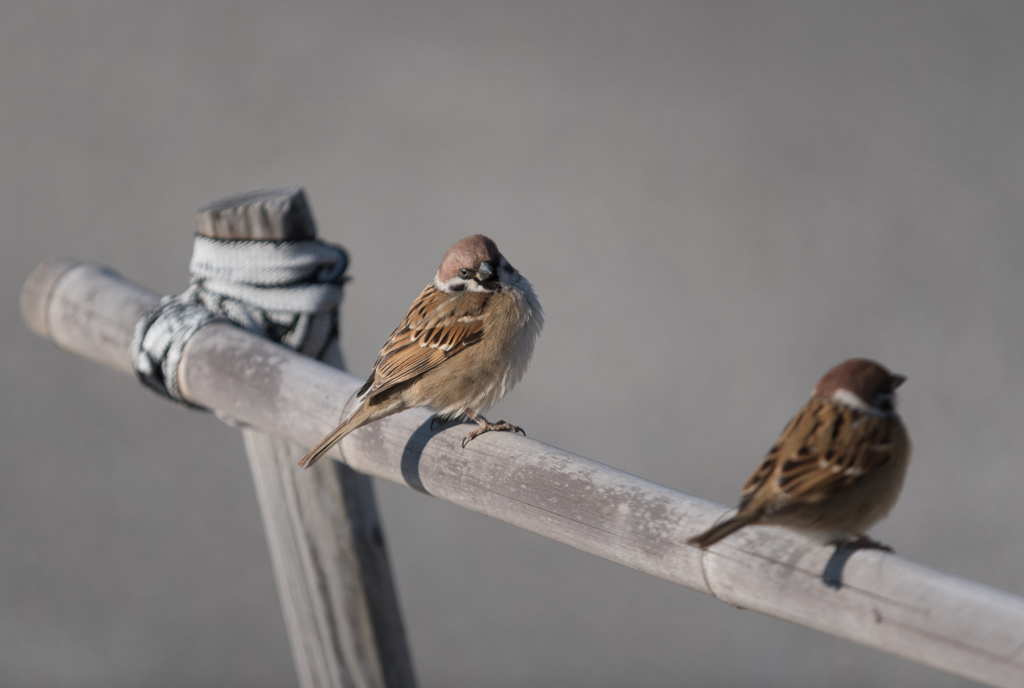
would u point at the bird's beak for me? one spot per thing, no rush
(898, 380)
(484, 272)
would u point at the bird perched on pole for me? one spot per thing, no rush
(838, 467)
(466, 341)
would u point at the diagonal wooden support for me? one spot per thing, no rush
(870, 597)
(323, 530)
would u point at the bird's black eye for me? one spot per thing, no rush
(464, 273)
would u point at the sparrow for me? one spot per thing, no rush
(837, 468)
(466, 341)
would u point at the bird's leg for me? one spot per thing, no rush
(442, 420)
(487, 426)
(862, 541)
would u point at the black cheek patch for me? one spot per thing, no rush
(457, 287)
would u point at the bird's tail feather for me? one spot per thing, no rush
(324, 445)
(349, 422)
(356, 414)
(720, 530)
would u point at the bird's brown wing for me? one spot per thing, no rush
(826, 448)
(437, 327)
(760, 482)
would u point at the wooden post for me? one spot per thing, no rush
(883, 601)
(323, 530)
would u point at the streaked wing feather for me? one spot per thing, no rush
(839, 450)
(767, 469)
(437, 327)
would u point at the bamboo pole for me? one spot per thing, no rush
(873, 598)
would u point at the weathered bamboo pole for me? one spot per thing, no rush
(883, 601)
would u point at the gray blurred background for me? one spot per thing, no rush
(715, 201)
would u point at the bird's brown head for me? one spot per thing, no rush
(861, 383)
(472, 264)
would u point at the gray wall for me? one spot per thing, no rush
(715, 201)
